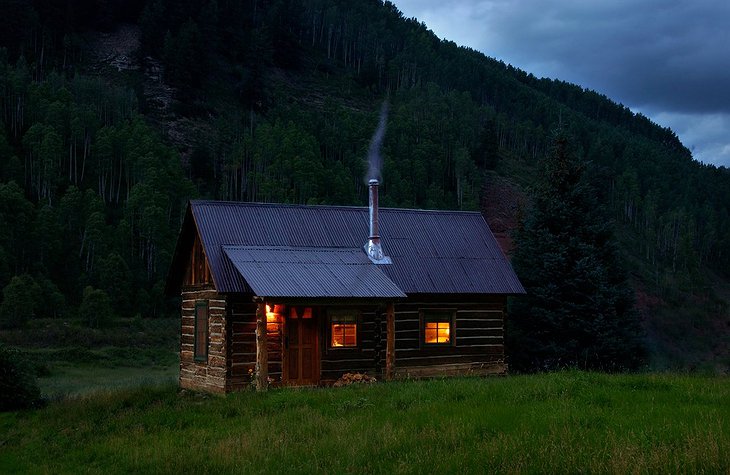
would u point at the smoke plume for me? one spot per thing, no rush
(375, 161)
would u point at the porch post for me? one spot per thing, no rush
(262, 354)
(390, 342)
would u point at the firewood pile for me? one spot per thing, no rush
(354, 378)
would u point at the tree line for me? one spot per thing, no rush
(285, 95)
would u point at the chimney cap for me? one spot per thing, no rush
(373, 181)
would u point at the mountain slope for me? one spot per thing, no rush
(275, 101)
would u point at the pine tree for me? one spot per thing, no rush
(578, 311)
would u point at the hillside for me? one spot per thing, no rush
(115, 113)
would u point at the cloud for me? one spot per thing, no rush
(668, 56)
(706, 135)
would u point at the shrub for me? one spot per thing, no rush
(20, 301)
(96, 309)
(18, 386)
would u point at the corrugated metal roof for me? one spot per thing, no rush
(432, 251)
(310, 272)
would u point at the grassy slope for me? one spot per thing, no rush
(71, 359)
(545, 423)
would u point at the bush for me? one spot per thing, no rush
(20, 301)
(18, 386)
(96, 309)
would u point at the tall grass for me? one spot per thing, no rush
(70, 359)
(563, 422)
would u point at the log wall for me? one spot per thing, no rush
(207, 375)
(242, 350)
(479, 339)
(368, 357)
(478, 346)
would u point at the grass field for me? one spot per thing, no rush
(72, 360)
(563, 422)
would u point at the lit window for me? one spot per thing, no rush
(438, 332)
(274, 316)
(343, 329)
(438, 327)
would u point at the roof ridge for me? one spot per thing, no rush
(319, 248)
(257, 204)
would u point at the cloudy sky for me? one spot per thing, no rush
(669, 59)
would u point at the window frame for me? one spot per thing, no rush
(332, 315)
(437, 315)
(196, 356)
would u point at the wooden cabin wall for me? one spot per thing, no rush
(334, 362)
(207, 375)
(368, 357)
(478, 348)
(242, 349)
(479, 343)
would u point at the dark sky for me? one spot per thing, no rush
(668, 59)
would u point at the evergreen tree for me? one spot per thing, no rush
(578, 311)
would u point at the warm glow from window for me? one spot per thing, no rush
(303, 312)
(274, 316)
(437, 332)
(344, 334)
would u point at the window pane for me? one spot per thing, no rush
(350, 334)
(437, 332)
(431, 332)
(338, 335)
(443, 332)
(343, 334)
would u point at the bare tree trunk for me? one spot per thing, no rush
(390, 342)
(262, 354)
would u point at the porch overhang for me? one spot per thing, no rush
(311, 273)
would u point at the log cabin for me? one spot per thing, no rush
(299, 295)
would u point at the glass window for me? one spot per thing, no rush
(438, 327)
(201, 330)
(343, 330)
(438, 332)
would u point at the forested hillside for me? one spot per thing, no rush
(105, 136)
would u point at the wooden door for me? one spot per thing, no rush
(302, 352)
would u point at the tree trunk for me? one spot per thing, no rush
(390, 342)
(262, 354)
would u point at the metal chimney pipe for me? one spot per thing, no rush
(373, 206)
(372, 247)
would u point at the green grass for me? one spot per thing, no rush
(71, 381)
(564, 422)
(72, 360)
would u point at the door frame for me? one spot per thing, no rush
(316, 317)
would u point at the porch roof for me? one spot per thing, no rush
(313, 272)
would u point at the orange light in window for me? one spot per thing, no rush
(274, 313)
(303, 312)
(270, 315)
(344, 334)
(437, 332)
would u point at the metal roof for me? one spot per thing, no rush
(273, 271)
(432, 251)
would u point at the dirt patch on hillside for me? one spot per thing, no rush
(502, 204)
